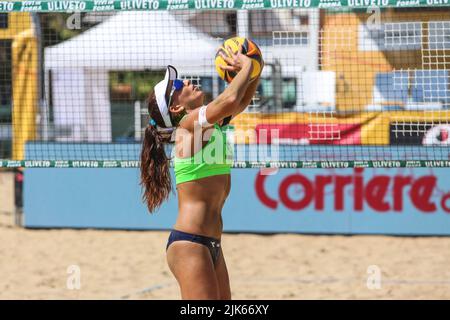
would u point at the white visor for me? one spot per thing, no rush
(162, 92)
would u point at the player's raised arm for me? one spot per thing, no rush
(230, 101)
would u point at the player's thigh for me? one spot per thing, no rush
(223, 279)
(192, 266)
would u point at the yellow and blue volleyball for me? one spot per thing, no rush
(249, 48)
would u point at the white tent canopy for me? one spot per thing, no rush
(133, 40)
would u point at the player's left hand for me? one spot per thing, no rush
(235, 61)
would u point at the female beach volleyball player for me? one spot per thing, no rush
(194, 252)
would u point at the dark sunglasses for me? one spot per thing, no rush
(177, 85)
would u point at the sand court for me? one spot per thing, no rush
(36, 264)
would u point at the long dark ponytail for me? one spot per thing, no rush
(155, 175)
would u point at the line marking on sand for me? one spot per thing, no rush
(302, 280)
(147, 290)
(341, 280)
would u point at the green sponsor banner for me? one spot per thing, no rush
(119, 5)
(236, 164)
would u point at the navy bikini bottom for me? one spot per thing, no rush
(212, 244)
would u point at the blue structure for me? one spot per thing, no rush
(431, 86)
(345, 201)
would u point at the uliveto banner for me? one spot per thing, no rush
(408, 201)
(116, 5)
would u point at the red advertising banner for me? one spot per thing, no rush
(312, 133)
(355, 192)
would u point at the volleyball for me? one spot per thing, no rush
(249, 48)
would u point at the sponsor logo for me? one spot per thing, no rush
(129, 164)
(413, 164)
(407, 3)
(368, 3)
(252, 4)
(334, 164)
(386, 164)
(6, 6)
(110, 164)
(282, 164)
(257, 165)
(290, 3)
(62, 164)
(437, 163)
(329, 3)
(361, 164)
(239, 164)
(31, 6)
(37, 164)
(309, 164)
(13, 164)
(85, 164)
(177, 4)
(382, 193)
(140, 4)
(66, 5)
(103, 5)
(214, 4)
(433, 2)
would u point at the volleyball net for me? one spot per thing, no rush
(346, 83)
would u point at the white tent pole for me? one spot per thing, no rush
(243, 24)
(45, 107)
(215, 86)
(137, 120)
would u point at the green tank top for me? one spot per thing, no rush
(215, 158)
